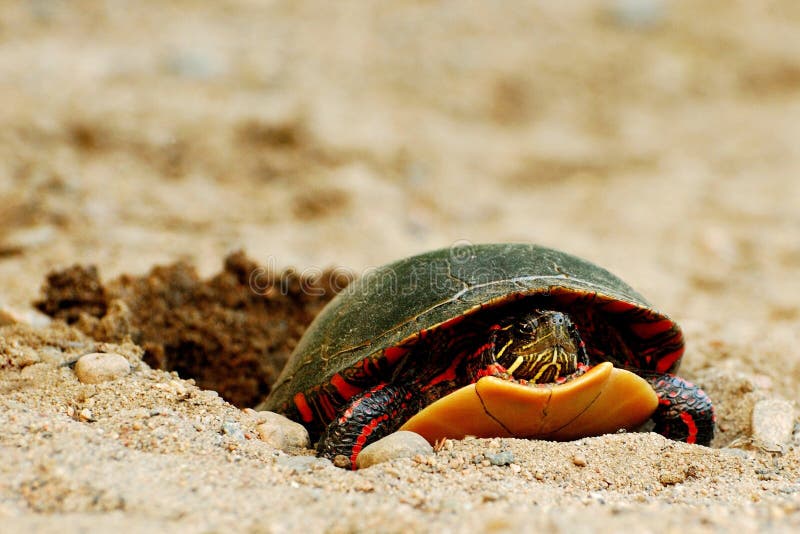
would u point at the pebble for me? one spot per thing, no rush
(233, 429)
(302, 464)
(401, 444)
(281, 432)
(671, 477)
(341, 461)
(596, 497)
(194, 64)
(579, 460)
(638, 14)
(500, 458)
(100, 367)
(773, 424)
(11, 316)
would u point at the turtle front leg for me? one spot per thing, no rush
(684, 412)
(371, 415)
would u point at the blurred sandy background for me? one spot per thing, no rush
(658, 139)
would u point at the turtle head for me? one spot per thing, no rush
(540, 347)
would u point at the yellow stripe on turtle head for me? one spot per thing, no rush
(516, 364)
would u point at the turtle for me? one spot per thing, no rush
(489, 340)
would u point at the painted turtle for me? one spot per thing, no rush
(488, 340)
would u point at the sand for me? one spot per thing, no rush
(658, 140)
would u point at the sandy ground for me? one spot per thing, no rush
(657, 139)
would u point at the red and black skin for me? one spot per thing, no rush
(368, 401)
(684, 413)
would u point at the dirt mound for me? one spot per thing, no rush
(231, 333)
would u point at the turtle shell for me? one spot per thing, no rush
(361, 330)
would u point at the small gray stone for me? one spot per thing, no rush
(100, 367)
(401, 444)
(302, 464)
(773, 424)
(501, 458)
(281, 432)
(638, 14)
(194, 64)
(233, 429)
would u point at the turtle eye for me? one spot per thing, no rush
(528, 327)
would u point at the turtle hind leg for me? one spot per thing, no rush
(684, 412)
(371, 415)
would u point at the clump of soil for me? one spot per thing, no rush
(74, 291)
(232, 333)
